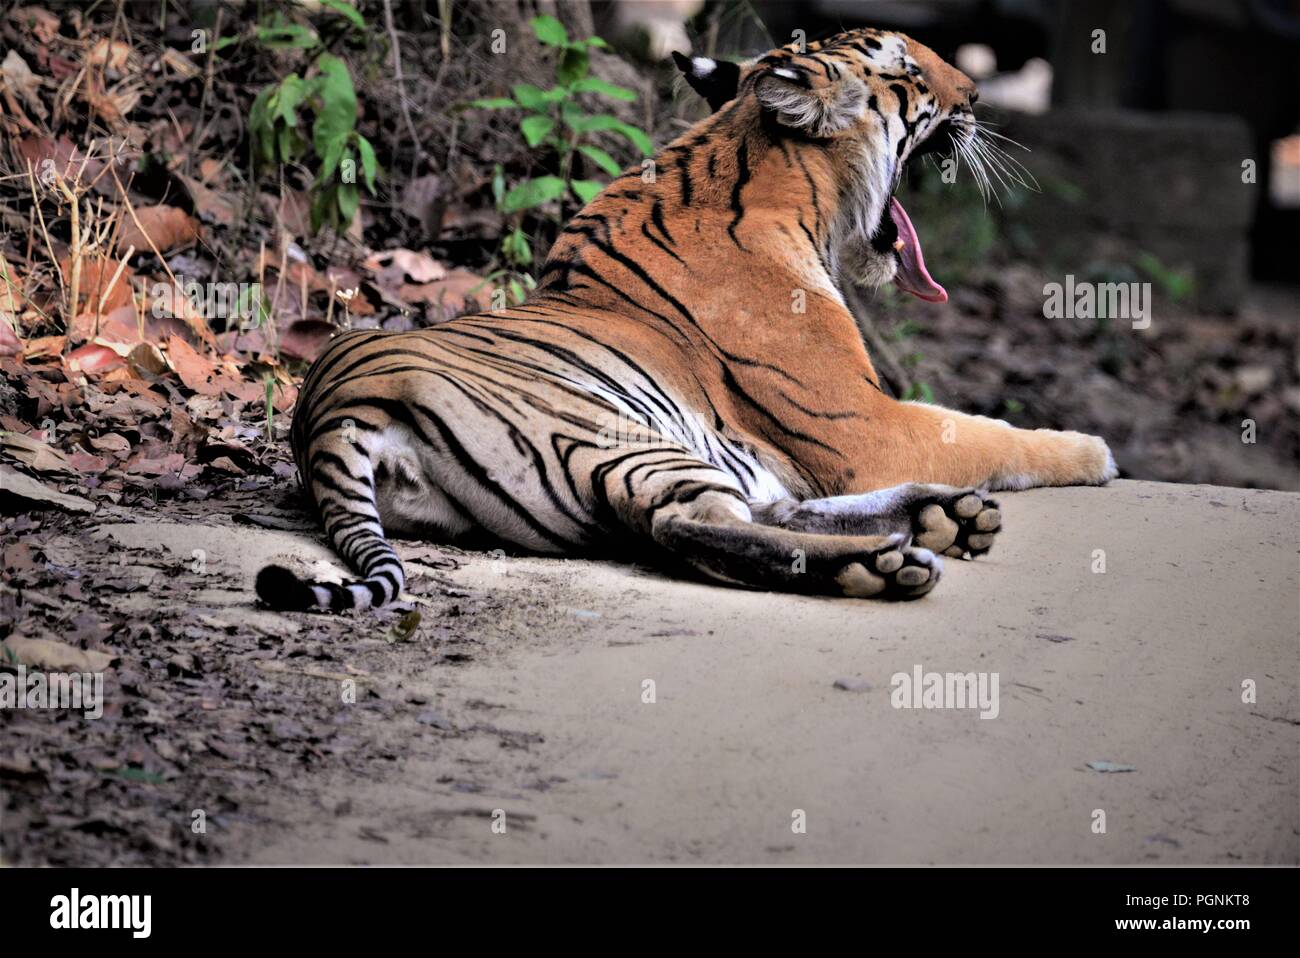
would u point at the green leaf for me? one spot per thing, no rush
(528, 96)
(532, 193)
(601, 159)
(284, 141)
(550, 31)
(571, 112)
(494, 103)
(535, 98)
(287, 36)
(369, 165)
(597, 85)
(349, 200)
(536, 128)
(405, 628)
(324, 209)
(287, 97)
(259, 114)
(517, 249)
(330, 160)
(573, 65)
(595, 42)
(602, 121)
(587, 190)
(337, 115)
(919, 392)
(347, 10)
(498, 185)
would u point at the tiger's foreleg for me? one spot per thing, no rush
(945, 519)
(924, 443)
(698, 516)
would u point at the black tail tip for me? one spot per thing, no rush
(283, 590)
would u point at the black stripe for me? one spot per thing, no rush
(645, 230)
(742, 177)
(657, 217)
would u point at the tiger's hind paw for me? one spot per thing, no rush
(957, 523)
(900, 571)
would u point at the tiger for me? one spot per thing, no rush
(661, 398)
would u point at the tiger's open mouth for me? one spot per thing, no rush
(896, 233)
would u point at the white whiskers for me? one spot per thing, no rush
(989, 161)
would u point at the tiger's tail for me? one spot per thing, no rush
(338, 474)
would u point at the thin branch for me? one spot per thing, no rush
(401, 84)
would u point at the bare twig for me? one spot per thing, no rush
(207, 88)
(74, 283)
(444, 29)
(49, 247)
(117, 274)
(401, 83)
(143, 232)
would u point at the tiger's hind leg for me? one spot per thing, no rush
(698, 516)
(945, 519)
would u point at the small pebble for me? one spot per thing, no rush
(433, 718)
(853, 685)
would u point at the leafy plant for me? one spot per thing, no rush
(555, 121)
(1177, 284)
(334, 146)
(919, 392)
(516, 249)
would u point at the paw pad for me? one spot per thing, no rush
(957, 524)
(901, 572)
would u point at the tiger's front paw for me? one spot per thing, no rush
(956, 522)
(1053, 458)
(1087, 460)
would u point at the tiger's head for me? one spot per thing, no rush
(877, 100)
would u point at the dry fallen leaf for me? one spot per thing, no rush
(40, 23)
(10, 345)
(169, 228)
(112, 54)
(450, 294)
(100, 282)
(178, 62)
(281, 668)
(33, 453)
(204, 375)
(394, 267)
(111, 442)
(118, 326)
(35, 494)
(18, 77)
(92, 358)
(57, 656)
(213, 206)
(44, 347)
(146, 358)
(306, 339)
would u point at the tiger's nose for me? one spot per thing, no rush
(972, 94)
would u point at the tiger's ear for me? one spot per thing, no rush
(715, 80)
(818, 110)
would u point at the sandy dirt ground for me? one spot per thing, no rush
(769, 735)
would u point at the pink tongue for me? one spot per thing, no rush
(912, 275)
